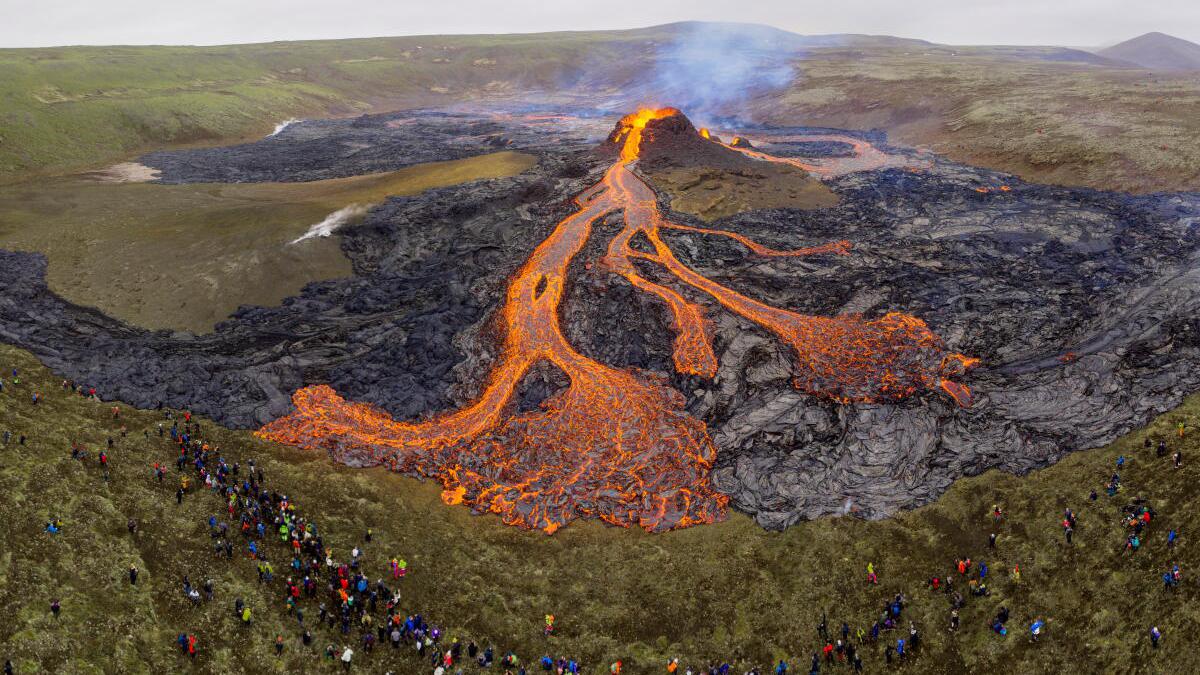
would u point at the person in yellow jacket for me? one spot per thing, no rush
(246, 615)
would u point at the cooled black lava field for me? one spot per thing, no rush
(1081, 305)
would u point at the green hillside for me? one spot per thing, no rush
(723, 592)
(63, 108)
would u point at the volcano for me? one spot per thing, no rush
(616, 444)
(565, 344)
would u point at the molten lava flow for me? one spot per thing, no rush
(614, 445)
(630, 130)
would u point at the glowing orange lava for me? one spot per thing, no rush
(615, 444)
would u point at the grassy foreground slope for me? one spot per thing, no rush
(724, 592)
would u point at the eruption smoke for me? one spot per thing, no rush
(711, 67)
(333, 221)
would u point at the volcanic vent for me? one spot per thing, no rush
(617, 444)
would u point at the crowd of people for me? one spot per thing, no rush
(335, 595)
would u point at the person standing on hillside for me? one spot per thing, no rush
(133, 575)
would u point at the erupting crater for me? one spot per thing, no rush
(615, 444)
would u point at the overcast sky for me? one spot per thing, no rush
(30, 23)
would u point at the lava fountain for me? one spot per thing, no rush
(615, 444)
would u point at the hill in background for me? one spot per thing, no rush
(1157, 51)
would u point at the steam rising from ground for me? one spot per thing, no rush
(282, 125)
(713, 65)
(333, 221)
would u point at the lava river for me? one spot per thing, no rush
(614, 444)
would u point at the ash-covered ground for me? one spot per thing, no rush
(1082, 306)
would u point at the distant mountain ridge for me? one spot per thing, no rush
(1156, 51)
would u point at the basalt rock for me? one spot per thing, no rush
(1081, 305)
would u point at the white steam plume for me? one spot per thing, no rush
(282, 125)
(710, 67)
(333, 221)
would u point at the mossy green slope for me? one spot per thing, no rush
(727, 591)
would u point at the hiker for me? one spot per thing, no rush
(1171, 537)
(55, 608)
(347, 654)
(1162, 448)
(1035, 629)
(1178, 458)
(992, 540)
(1133, 543)
(953, 620)
(1179, 429)
(278, 646)
(1155, 636)
(133, 575)
(871, 578)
